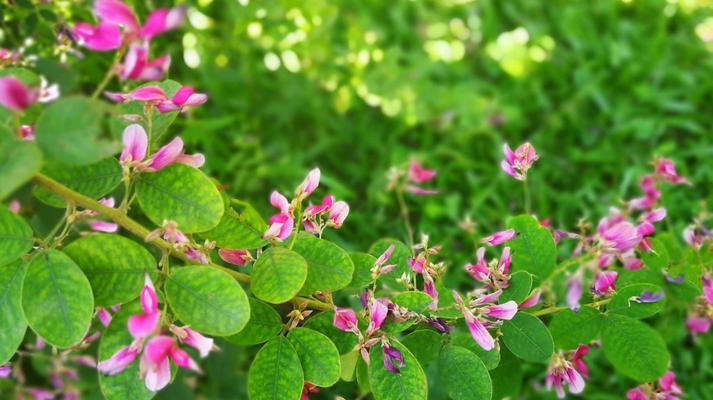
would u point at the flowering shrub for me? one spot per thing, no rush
(153, 260)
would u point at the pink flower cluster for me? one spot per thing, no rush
(118, 26)
(156, 349)
(701, 317)
(518, 162)
(667, 389)
(429, 271)
(411, 178)
(570, 370)
(135, 151)
(184, 98)
(170, 233)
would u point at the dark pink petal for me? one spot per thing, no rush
(162, 20)
(117, 13)
(478, 332)
(418, 174)
(158, 348)
(377, 314)
(117, 97)
(697, 325)
(166, 155)
(384, 257)
(636, 394)
(509, 154)
(167, 106)
(605, 282)
(142, 325)
(15, 95)
(148, 93)
(309, 184)
(235, 257)
(344, 319)
(183, 360)
(118, 361)
(499, 237)
(531, 301)
(102, 37)
(182, 95)
(203, 344)
(155, 69)
(103, 226)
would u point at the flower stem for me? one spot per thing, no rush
(555, 309)
(109, 74)
(526, 192)
(140, 231)
(405, 216)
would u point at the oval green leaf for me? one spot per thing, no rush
(621, 302)
(322, 322)
(363, 263)
(183, 194)
(69, 130)
(57, 299)
(328, 266)
(15, 236)
(18, 162)
(519, 289)
(414, 301)
(278, 275)
(128, 383)
(464, 375)
(114, 265)
(528, 338)
(318, 355)
(276, 372)
(94, 180)
(569, 329)
(491, 359)
(533, 250)
(264, 324)
(12, 319)
(409, 384)
(236, 231)
(208, 299)
(634, 349)
(424, 344)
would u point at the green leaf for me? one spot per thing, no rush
(620, 303)
(318, 355)
(69, 130)
(57, 299)
(409, 384)
(19, 160)
(363, 263)
(183, 194)
(12, 319)
(362, 376)
(160, 122)
(527, 337)
(114, 265)
(657, 259)
(264, 324)
(322, 322)
(29, 78)
(349, 363)
(94, 180)
(634, 349)
(533, 250)
(570, 329)
(235, 231)
(15, 236)
(276, 373)
(507, 377)
(414, 301)
(399, 257)
(208, 299)
(491, 359)
(464, 375)
(128, 383)
(519, 289)
(328, 266)
(278, 275)
(424, 344)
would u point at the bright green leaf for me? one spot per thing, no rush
(276, 373)
(208, 300)
(424, 344)
(235, 231)
(15, 236)
(621, 304)
(634, 349)
(12, 319)
(264, 324)
(491, 359)
(18, 162)
(533, 250)
(399, 257)
(464, 375)
(278, 275)
(363, 263)
(409, 384)
(328, 266)
(93, 180)
(414, 301)
(519, 289)
(322, 322)
(527, 337)
(57, 299)
(570, 329)
(183, 194)
(318, 355)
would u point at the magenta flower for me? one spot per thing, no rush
(155, 364)
(532, 300)
(500, 237)
(698, 325)
(101, 37)
(135, 147)
(393, 359)
(137, 65)
(15, 96)
(345, 319)
(121, 359)
(188, 336)
(185, 97)
(142, 325)
(378, 310)
(707, 288)
(281, 224)
(99, 225)
(505, 311)
(574, 292)
(5, 370)
(666, 389)
(518, 162)
(475, 325)
(567, 370)
(605, 282)
(621, 236)
(666, 170)
(418, 174)
(104, 316)
(235, 257)
(309, 184)
(479, 271)
(338, 213)
(313, 210)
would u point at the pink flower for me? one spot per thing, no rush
(162, 20)
(188, 336)
(280, 202)
(417, 264)
(504, 262)
(142, 325)
(707, 289)
(393, 359)
(477, 330)
(117, 13)
(101, 37)
(574, 292)
(137, 65)
(104, 316)
(120, 360)
(636, 394)
(498, 238)
(135, 144)
(504, 311)
(338, 213)
(5, 370)
(235, 257)
(518, 162)
(654, 215)
(155, 362)
(314, 210)
(134, 153)
(605, 282)
(309, 184)
(15, 95)
(418, 174)
(99, 225)
(150, 94)
(578, 360)
(185, 97)
(281, 226)
(532, 300)
(345, 319)
(558, 377)
(621, 236)
(666, 170)
(377, 314)
(479, 271)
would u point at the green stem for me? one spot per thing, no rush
(109, 73)
(555, 309)
(140, 231)
(405, 216)
(526, 192)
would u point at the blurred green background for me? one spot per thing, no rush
(355, 87)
